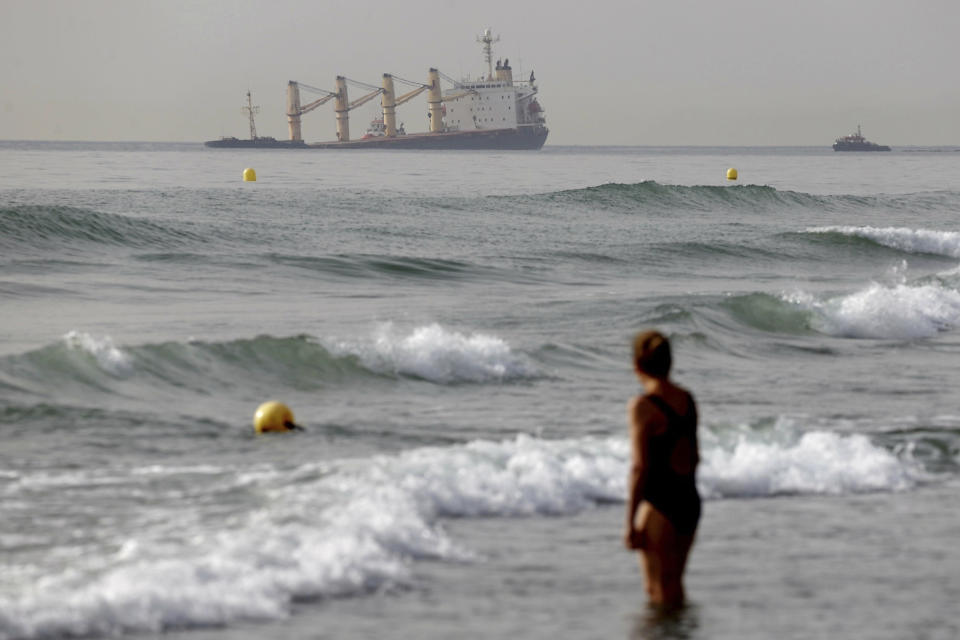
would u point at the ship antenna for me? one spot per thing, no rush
(487, 39)
(250, 109)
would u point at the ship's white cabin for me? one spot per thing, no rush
(496, 102)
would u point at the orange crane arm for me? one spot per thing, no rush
(310, 106)
(411, 95)
(365, 99)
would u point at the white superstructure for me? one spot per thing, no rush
(494, 102)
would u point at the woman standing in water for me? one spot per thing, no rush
(663, 506)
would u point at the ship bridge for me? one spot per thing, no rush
(495, 102)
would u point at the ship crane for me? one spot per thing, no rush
(390, 101)
(295, 110)
(343, 106)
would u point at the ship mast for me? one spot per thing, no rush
(250, 109)
(487, 39)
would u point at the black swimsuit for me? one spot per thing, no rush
(673, 494)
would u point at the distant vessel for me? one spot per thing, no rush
(378, 129)
(494, 112)
(856, 142)
(255, 141)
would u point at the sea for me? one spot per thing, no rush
(452, 330)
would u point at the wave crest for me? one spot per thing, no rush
(439, 355)
(695, 198)
(899, 312)
(942, 243)
(820, 463)
(431, 353)
(25, 227)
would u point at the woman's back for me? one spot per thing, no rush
(671, 481)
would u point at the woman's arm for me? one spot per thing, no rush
(638, 419)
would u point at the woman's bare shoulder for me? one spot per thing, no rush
(638, 403)
(642, 413)
(680, 399)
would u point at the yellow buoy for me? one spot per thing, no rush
(249, 175)
(731, 174)
(273, 416)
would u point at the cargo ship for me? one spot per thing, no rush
(856, 142)
(494, 112)
(255, 141)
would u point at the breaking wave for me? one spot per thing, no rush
(941, 243)
(431, 353)
(899, 312)
(348, 527)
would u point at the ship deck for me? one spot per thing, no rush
(520, 138)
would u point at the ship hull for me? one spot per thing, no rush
(868, 146)
(523, 138)
(257, 143)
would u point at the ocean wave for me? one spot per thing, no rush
(110, 358)
(923, 241)
(439, 355)
(654, 196)
(819, 463)
(886, 311)
(78, 360)
(769, 313)
(896, 310)
(431, 353)
(691, 198)
(352, 526)
(397, 267)
(26, 227)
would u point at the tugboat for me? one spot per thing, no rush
(856, 142)
(378, 129)
(255, 141)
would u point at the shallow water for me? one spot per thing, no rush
(452, 329)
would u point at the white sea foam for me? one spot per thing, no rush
(439, 355)
(352, 526)
(945, 243)
(816, 463)
(109, 357)
(901, 311)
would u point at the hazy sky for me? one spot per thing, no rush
(671, 72)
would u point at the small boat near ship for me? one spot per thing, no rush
(255, 141)
(378, 129)
(856, 142)
(260, 142)
(494, 112)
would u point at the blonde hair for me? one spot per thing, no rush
(651, 354)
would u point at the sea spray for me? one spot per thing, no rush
(111, 359)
